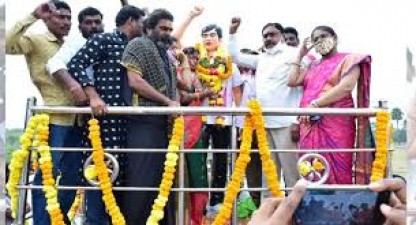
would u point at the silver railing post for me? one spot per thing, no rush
(21, 205)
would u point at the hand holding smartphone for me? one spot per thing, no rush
(341, 207)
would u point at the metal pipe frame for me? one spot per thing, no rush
(129, 110)
(216, 150)
(197, 111)
(313, 187)
(21, 205)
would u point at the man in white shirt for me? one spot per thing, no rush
(254, 170)
(272, 73)
(90, 23)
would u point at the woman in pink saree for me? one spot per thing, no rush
(329, 82)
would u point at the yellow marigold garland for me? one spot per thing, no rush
(35, 161)
(254, 121)
(223, 70)
(46, 167)
(269, 168)
(105, 184)
(75, 205)
(169, 172)
(18, 160)
(382, 139)
(233, 187)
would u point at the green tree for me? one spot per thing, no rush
(12, 142)
(397, 114)
(399, 136)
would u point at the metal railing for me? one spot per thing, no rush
(181, 189)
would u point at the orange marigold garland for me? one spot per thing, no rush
(382, 140)
(233, 187)
(169, 172)
(105, 184)
(254, 121)
(46, 167)
(269, 168)
(34, 153)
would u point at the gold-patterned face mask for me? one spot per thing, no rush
(325, 46)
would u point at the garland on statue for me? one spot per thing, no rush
(213, 71)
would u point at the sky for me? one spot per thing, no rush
(381, 29)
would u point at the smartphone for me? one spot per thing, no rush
(341, 207)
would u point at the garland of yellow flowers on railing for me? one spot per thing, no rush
(233, 187)
(17, 162)
(169, 172)
(46, 166)
(382, 134)
(269, 168)
(253, 121)
(38, 126)
(105, 184)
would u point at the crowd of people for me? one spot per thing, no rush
(143, 63)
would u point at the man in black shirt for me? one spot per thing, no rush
(104, 53)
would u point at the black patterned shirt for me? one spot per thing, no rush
(104, 53)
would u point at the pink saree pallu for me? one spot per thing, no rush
(338, 132)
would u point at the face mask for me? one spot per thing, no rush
(325, 46)
(273, 49)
